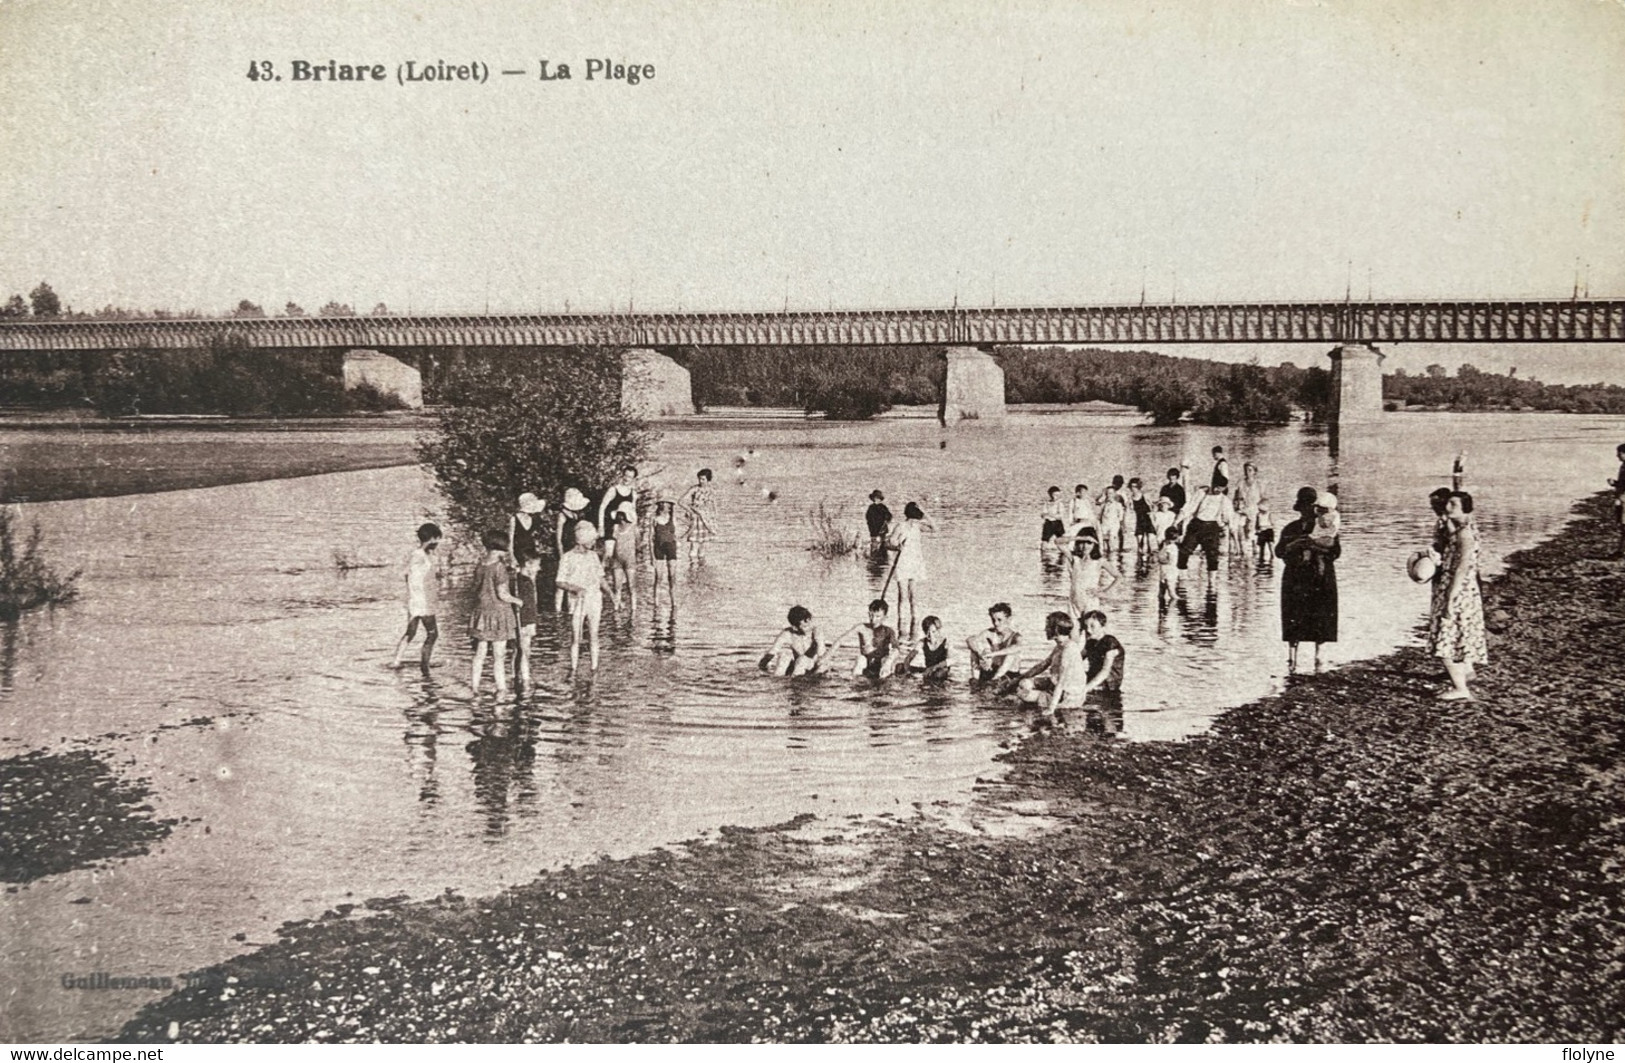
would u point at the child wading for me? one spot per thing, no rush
(524, 588)
(422, 594)
(491, 621)
(582, 574)
(663, 543)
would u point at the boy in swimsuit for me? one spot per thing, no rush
(877, 643)
(1054, 517)
(1266, 532)
(796, 650)
(993, 652)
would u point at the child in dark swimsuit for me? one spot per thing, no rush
(932, 650)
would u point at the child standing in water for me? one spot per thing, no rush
(422, 593)
(700, 502)
(524, 588)
(1168, 567)
(909, 541)
(1083, 508)
(1145, 533)
(621, 557)
(1054, 518)
(663, 540)
(582, 574)
(1266, 531)
(1162, 518)
(491, 620)
(572, 513)
(1113, 510)
(1088, 570)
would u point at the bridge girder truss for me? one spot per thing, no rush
(1529, 321)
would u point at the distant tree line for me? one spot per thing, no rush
(43, 303)
(854, 383)
(1473, 389)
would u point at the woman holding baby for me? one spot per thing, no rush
(1310, 547)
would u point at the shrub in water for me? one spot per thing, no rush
(533, 421)
(831, 538)
(26, 580)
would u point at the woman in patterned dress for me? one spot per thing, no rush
(1456, 621)
(700, 502)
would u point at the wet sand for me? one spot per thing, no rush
(50, 461)
(1349, 860)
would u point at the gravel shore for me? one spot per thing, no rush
(1347, 861)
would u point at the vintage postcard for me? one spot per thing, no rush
(811, 522)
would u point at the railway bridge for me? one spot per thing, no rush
(974, 385)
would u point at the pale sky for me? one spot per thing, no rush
(817, 153)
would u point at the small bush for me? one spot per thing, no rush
(364, 397)
(831, 538)
(26, 580)
(535, 421)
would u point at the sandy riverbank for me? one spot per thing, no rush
(1348, 860)
(52, 460)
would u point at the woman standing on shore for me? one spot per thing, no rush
(1456, 619)
(1308, 582)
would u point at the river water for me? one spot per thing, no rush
(220, 652)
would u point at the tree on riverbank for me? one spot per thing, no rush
(541, 422)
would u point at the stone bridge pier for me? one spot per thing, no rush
(972, 387)
(653, 385)
(1356, 384)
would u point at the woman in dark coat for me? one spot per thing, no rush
(1309, 583)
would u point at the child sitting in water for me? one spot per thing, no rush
(932, 649)
(796, 650)
(1060, 679)
(877, 643)
(993, 652)
(1104, 655)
